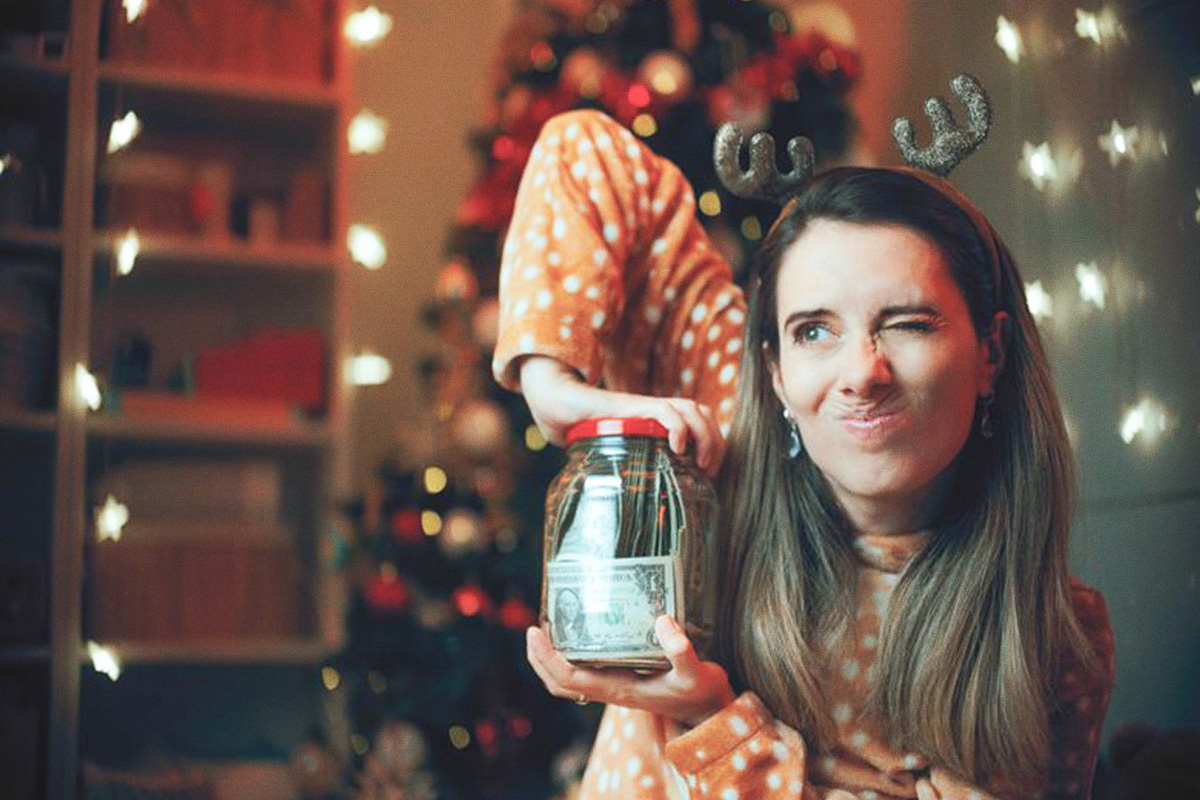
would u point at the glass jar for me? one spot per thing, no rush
(628, 527)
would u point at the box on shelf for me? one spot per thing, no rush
(175, 581)
(271, 364)
(148, 191)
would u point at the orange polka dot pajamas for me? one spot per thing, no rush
(607, 269)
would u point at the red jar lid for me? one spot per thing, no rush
(629, 426)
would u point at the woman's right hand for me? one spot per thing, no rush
(558, 398)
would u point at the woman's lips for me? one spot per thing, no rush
(873, 423)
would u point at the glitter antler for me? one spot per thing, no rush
(951, 144)
(763, 181)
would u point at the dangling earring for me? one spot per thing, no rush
(985, 419)
(795, 447)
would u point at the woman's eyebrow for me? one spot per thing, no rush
(806, 314)
(914, 308)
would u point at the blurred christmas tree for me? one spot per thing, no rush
(446, 552)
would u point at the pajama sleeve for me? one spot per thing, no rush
(1081, 702)
(742, 753)
(606, 268)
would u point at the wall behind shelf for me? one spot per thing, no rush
(428, 77)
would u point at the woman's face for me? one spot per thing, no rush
(879, 363)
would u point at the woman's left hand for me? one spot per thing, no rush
(690, 692)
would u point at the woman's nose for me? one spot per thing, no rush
(865, 367)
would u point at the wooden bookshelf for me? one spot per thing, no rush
(66, 450)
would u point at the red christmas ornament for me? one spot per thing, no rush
(515, 615)
(406, 525)
(386, 592)
(520, 727)
(486, 734)
(471, 601)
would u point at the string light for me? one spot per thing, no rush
(366, 246)
(126, 252)
(644, 125)
(87, 388)
(123, 131)
(368, 369)
(1046, 171)
(1008, 37)
(133, 9)
(330, 678)
(431, 522)
(1196, 85)
(104, 661)
(367, 132)
(6, 161)
(367, 26)
(435, 479)
(110, 519)
(752, 228)
(710, 203)
(1038, 300)
(1198, 206)
(1093, 286)
(1102, 27)
(534, 439)
(1119, 142)
(1147, 421)
(460, 737)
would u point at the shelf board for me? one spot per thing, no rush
(36, 422)
(24, 654)
(33, 74)
(188, 252)
(221, 93)
(122, 429)
(250, 651)
(30, 236)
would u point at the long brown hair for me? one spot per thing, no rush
(982, 615)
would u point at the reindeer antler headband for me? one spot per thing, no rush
(951, 144)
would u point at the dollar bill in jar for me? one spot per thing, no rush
(625, 528)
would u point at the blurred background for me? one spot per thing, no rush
(268, 529)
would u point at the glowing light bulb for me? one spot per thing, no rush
(644, 125)
(110, 519)
(1038, 165)
(1196, 85)
(431, 522)
(368, 369)
(1147, 421)
(1008, 37)
(133, 9)
(123, 131)
(367, 132)
(330, 678)
(1102, 27)
(1119, 143)
(366, 246)
(1038, 300)
(127, 250)
(1093, 286)
(6, 161)
(435, 479)
(367, 26)
(710, 203)
(534, 439)
(104, 661)
(87, 388)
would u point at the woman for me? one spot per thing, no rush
(895, 609)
